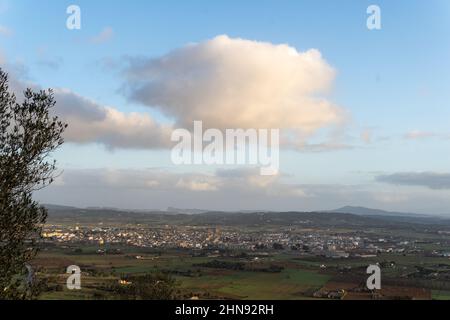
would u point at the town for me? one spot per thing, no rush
(330, 244)
(256, 255)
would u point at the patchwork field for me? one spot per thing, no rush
(295, 278)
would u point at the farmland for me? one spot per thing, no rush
(285, 256)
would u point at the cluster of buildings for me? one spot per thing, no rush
(321, 243)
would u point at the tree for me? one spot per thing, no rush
(28, 136)
(151, 286)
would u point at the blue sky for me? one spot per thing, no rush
(394, 83)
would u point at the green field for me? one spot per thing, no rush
(298, 278)
(441, 295)
(290, 283)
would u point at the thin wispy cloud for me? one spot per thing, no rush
(54, 64)
(367, 136)
(432, 180)
(242, 189)
(418, 135)
(46, 59)
(104, 36)
(5, 31)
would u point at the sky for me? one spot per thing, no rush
(365, 112)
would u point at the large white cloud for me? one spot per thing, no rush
(237, 83)
(227, 83)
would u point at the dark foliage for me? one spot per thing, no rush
(153, 286)
(28, 136)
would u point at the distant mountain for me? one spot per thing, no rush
(347, 216)
(54, 207)
(401, 217)
(185, 211)
(362, 211)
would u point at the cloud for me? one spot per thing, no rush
(53, 64)
(260, 84)
(198, 184)
(237, 83)
(417, 134)
(46, 60)
(432, 180)
(392, 197)
(367, 136)
(232, 189)
(90, 122)
(18, 76)
(324, 146)
(104, 36)
(242, 180)
(160, 188)
(5, 31)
